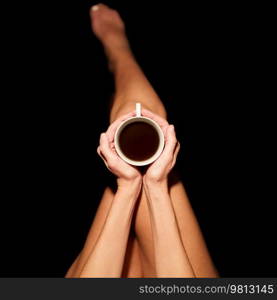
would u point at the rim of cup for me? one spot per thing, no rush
(152, 158)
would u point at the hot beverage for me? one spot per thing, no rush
(139, 141)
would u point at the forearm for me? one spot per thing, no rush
(170, 256)
(107, 257)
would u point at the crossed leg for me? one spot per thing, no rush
(132, 86)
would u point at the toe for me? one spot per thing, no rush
(94, 11)
(99, 7)
(95, 8)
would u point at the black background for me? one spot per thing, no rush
(211, 67)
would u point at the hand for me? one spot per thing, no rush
(106, 150)
(159, 169)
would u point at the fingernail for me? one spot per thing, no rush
(172, 126)
(95, 7)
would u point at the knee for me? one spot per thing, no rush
(126, 108)
(161, 111)
(120, 110)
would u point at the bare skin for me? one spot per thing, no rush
(141, 257)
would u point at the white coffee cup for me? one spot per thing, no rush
(151, 122)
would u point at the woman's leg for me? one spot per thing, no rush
(132, 86)
(132, 265)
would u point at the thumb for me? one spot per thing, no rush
(170, 142)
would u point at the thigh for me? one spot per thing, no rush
(128, 106)
(94, 231)
(132, 266)
(189, 228)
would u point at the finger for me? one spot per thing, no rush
(147, 113)
(171, 141)
(105, 148)
(100, 153)
(176, 151)
(102, 156)
(112, 128)
(159, 120)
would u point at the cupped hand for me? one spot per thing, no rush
(106, 150)
(160, 168)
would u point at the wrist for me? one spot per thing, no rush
(157, 193)
(133, 184)
(150, 183)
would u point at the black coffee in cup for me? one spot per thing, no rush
(139, 141)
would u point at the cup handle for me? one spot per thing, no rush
(138, 109)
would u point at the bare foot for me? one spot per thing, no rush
(108, 26)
